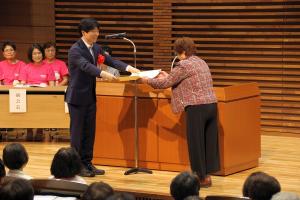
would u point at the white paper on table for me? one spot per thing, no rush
(147, 74)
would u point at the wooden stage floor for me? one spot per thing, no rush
(280, 158)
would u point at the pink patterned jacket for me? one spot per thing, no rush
(191, 84)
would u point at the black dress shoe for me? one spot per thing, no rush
(85, 172)
(96, 171)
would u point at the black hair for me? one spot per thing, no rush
(30, 50)
(260, 186)
(98, 191)
(66, 163)
(107, 49)
(17, 189)
(15, 156)
(48, 45)
(121, 196)
(9, 43)
(183, 185)
(88, 24)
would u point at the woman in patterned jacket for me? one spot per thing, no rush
(192, 92)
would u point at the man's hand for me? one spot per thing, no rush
(132, 69)
(107, 76)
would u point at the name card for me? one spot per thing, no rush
(17, 101)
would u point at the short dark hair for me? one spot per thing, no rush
(2, 169)
(185, 44)
(15, 156)
(98, 191)
(107, 49)
(88, 24)
(260, 186)
(30, 50)
(48, 45)
(66, 163)
(9, 43)
(183, 185)
(17, 189)
(121, 196)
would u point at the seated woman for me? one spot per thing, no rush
(17, 189)
(98, 191)
(15, 158)
(58, 66)
(66, 165)
(36, 72)
(10, 68)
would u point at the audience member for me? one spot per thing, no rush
(183, 185)
(98, 191)
(18, 189)
(260, 186)
(66, 165)
(15, 158)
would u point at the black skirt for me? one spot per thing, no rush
(202, 138)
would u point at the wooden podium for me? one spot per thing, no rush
(162, 139)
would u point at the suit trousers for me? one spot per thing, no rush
(202, 138)
(82, 128)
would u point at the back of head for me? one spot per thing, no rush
(15, 156)
(260, 186)
(121, 196)
(17, 189)
(185, 44)
(66, 163)
(183, 185)
(98, 191)
(285, 196)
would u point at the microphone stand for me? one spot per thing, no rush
(136, 169)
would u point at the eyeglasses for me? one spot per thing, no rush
(8, 50)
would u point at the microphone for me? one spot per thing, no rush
(172, 65)
(115, 36)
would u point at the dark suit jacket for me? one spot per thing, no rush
(83, 72)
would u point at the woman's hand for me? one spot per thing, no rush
(143, 80)
(162, 74)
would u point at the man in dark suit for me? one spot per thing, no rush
(81, 94)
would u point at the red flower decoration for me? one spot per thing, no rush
(100, 59)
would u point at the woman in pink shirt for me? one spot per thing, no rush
(36, 72)
(10, 67)
(59, 67)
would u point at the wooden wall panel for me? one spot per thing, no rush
(133, 17)
(241, 40)
(26, 22)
